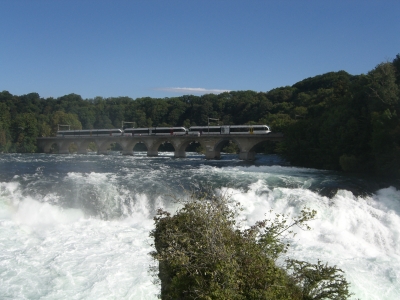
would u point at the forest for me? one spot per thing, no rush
(334, 121)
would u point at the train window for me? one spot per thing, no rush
(162, 130)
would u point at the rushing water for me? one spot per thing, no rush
(77, 226)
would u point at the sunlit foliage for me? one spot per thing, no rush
(202, 253)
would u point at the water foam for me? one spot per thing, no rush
(87, 238)
(50, 252)
(359, 235)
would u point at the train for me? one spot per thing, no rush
(90, 132)
(229, 129)
(193, 130)
(156, 131)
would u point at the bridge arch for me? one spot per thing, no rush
(53, 148)
(181, 145)
(247, 146)
(222, 142)
(153, 148)
(129, 146)
(67, 146)
(193, 146)
(83, 146)
(63, 147)
(225, 141)
(140, 146)
(104, 146)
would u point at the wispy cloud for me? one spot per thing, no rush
(189, 90)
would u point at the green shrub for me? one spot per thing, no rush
(202, 253)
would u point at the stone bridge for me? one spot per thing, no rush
(212, 144)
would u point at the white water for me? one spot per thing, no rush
(359, 235)
(51, 253)
(48, 251)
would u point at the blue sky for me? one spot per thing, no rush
(175, 47)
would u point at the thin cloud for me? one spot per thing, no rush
(188, 90)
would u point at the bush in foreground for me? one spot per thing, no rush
(203, 254)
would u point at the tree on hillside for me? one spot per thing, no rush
(383, 88)
(25, 132)
(5, 123)
(385, 139)
(62, 118)
(396, 65)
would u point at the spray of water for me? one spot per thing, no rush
(85, 235)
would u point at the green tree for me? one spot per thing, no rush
(385, 142)
(103, 121)
(70, 103)
(86, 116)
(5, 123)
(204, 254)
(319, 281)
(25, 132)
(383, 88)
(176, 110)
(62, 118)
(396, 65)
(139, 117)
(44, 127)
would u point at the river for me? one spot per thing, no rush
(77, 226)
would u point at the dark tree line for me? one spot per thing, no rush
(332, 121)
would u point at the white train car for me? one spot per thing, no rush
(229, 129)
(249, 129)
(156, 131)
(90, 132)
(200, 130)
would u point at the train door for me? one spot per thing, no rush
(251, 130)
(224, 129)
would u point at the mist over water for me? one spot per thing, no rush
(77, 226)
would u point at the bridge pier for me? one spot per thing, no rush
(103, 147)
(213, 154)
(63, 151)
(180, 154)
(127, 152)
(82, 147)
(63, 148)
(100, 152)
(81, 151)
(152, 152)
(45, 146)
(249, 155)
